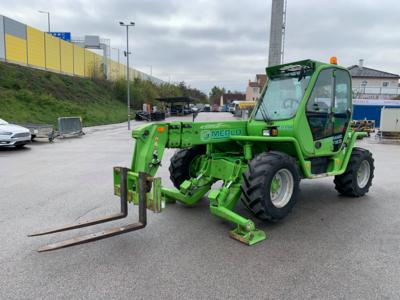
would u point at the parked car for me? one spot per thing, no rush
(223, 108)
(207, 108)
(13, 135)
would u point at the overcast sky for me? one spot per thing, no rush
(225, 42)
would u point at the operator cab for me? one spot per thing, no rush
(308, 100)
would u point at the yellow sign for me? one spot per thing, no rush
(247, 104)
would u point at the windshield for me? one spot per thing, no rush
(2, 122)
(282, 96)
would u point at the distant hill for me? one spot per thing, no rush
(35, 96)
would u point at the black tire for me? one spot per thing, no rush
(347, 184)
(20, 146)
(179, 169)
(257, 183)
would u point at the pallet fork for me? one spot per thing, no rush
(144, 186)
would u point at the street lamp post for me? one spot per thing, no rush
(48, 18)
(128, 98)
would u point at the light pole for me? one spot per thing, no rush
(151, 70)
(48, 18)
(128, 98)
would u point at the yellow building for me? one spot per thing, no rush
(79, 61)
(15, 41)
(36, 47)
(25, 45)
(53, 56)
(67, 57)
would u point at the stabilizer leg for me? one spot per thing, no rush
(221, 203)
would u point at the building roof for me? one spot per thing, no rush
(356, 71)
(261, 79)
(253, 84)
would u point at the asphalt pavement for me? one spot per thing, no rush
(329, 247)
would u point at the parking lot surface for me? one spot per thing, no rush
(329, 247)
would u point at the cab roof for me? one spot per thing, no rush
(297, 65)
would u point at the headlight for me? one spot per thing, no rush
(5, 133)
(266, 132)
(270, 132)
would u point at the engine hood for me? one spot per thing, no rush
(13, 128)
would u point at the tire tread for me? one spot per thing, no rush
(346, 184)
(252, 186)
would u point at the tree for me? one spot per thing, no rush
(215, 94)
(143, 91)
(187, 91)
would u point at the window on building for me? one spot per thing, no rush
(385, 83)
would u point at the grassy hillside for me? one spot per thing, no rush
(35, 96)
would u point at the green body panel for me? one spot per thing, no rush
(229, 147)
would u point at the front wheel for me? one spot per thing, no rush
(183, 164)
(20, 146)
(357, 179)
(271, 185)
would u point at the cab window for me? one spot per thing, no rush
(329, 107)
(342, 109)
(319, 105)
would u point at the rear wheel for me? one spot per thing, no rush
(357, 179)
(183, 164)
(271, 185)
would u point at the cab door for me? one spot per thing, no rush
(342, 107)
(319, 112)
(328, 110)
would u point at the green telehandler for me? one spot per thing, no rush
(299, 129)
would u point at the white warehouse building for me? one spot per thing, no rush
(373, 84)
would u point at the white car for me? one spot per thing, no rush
(13, 135)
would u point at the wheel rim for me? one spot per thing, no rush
(281, 189)
(363, 174)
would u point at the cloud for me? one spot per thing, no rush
(208, 42)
